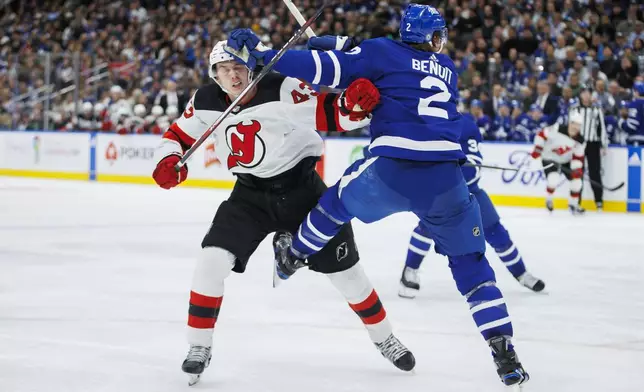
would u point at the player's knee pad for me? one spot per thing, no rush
(470, 271)
(575, 185)
(213, 266)
(497, 236)
(552, 179)
(353, 283)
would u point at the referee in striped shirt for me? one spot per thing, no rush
(594, 132)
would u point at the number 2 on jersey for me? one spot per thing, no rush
(424, 105)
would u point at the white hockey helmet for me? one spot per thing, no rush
(139, 110)
(122, 111)
(575, 117)
(87, 107)
(172, 111)
(219, 55)
(157, 110)
(98, 108)
(164, 124)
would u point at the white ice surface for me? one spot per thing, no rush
(94, 283)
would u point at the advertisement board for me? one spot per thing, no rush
(45, 154)
(131, 158)
(531, 185)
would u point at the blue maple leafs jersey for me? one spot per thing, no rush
(634, 124)
(470, 139)
(417, 117)
(483, 123)
(525, 127)
(501, 128)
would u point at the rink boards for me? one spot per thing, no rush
(130, 159)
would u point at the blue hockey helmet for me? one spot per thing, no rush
(476, 103)
(420, 23)
(534, 106)
(639, 87)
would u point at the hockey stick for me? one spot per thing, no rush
(593, 182)
(268, 68)
(497, 167)
(298, 16)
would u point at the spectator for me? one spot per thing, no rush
(171, 97)
(546, 102)
(627, 73)
(603, 98)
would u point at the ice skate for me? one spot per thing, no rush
(576, 209)
(507, 363)
(196, 362)
(409, 283)
(600, 206)
(285, 263)
(550, 205)
(397, 353)
(530, 281)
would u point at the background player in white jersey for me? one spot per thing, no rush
(562, 146)
(269, 142)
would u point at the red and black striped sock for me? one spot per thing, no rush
(370, 310)
(203, 311)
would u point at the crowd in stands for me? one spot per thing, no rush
(521, 63)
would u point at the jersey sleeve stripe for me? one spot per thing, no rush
(177, 134)
(336, 70)
(318, 67)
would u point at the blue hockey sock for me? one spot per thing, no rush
(419, 246)
(512, 259)
(489, 310)
(315, 232)
(497, 236)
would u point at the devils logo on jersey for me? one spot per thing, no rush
(247, 149)
(562, 150)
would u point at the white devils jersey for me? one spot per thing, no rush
(554, 144)
(270, 134)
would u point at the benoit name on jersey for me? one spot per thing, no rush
(268, 135)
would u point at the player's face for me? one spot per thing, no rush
(504, 111)
(232, 76)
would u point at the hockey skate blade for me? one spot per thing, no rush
(276, 278)
(194, 378)
(406, 292)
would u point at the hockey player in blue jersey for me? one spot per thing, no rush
(415, 163)
(481, 119)
(502, 124)
(634, 123)
(528, 124)
(495, 233)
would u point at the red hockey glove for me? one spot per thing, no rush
(359, 99)
(165, 175)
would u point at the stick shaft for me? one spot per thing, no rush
(299, 17)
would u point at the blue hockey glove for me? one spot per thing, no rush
(246, 47)
(331, 42)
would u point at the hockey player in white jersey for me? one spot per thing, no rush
(270, 143)
(562, 146)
